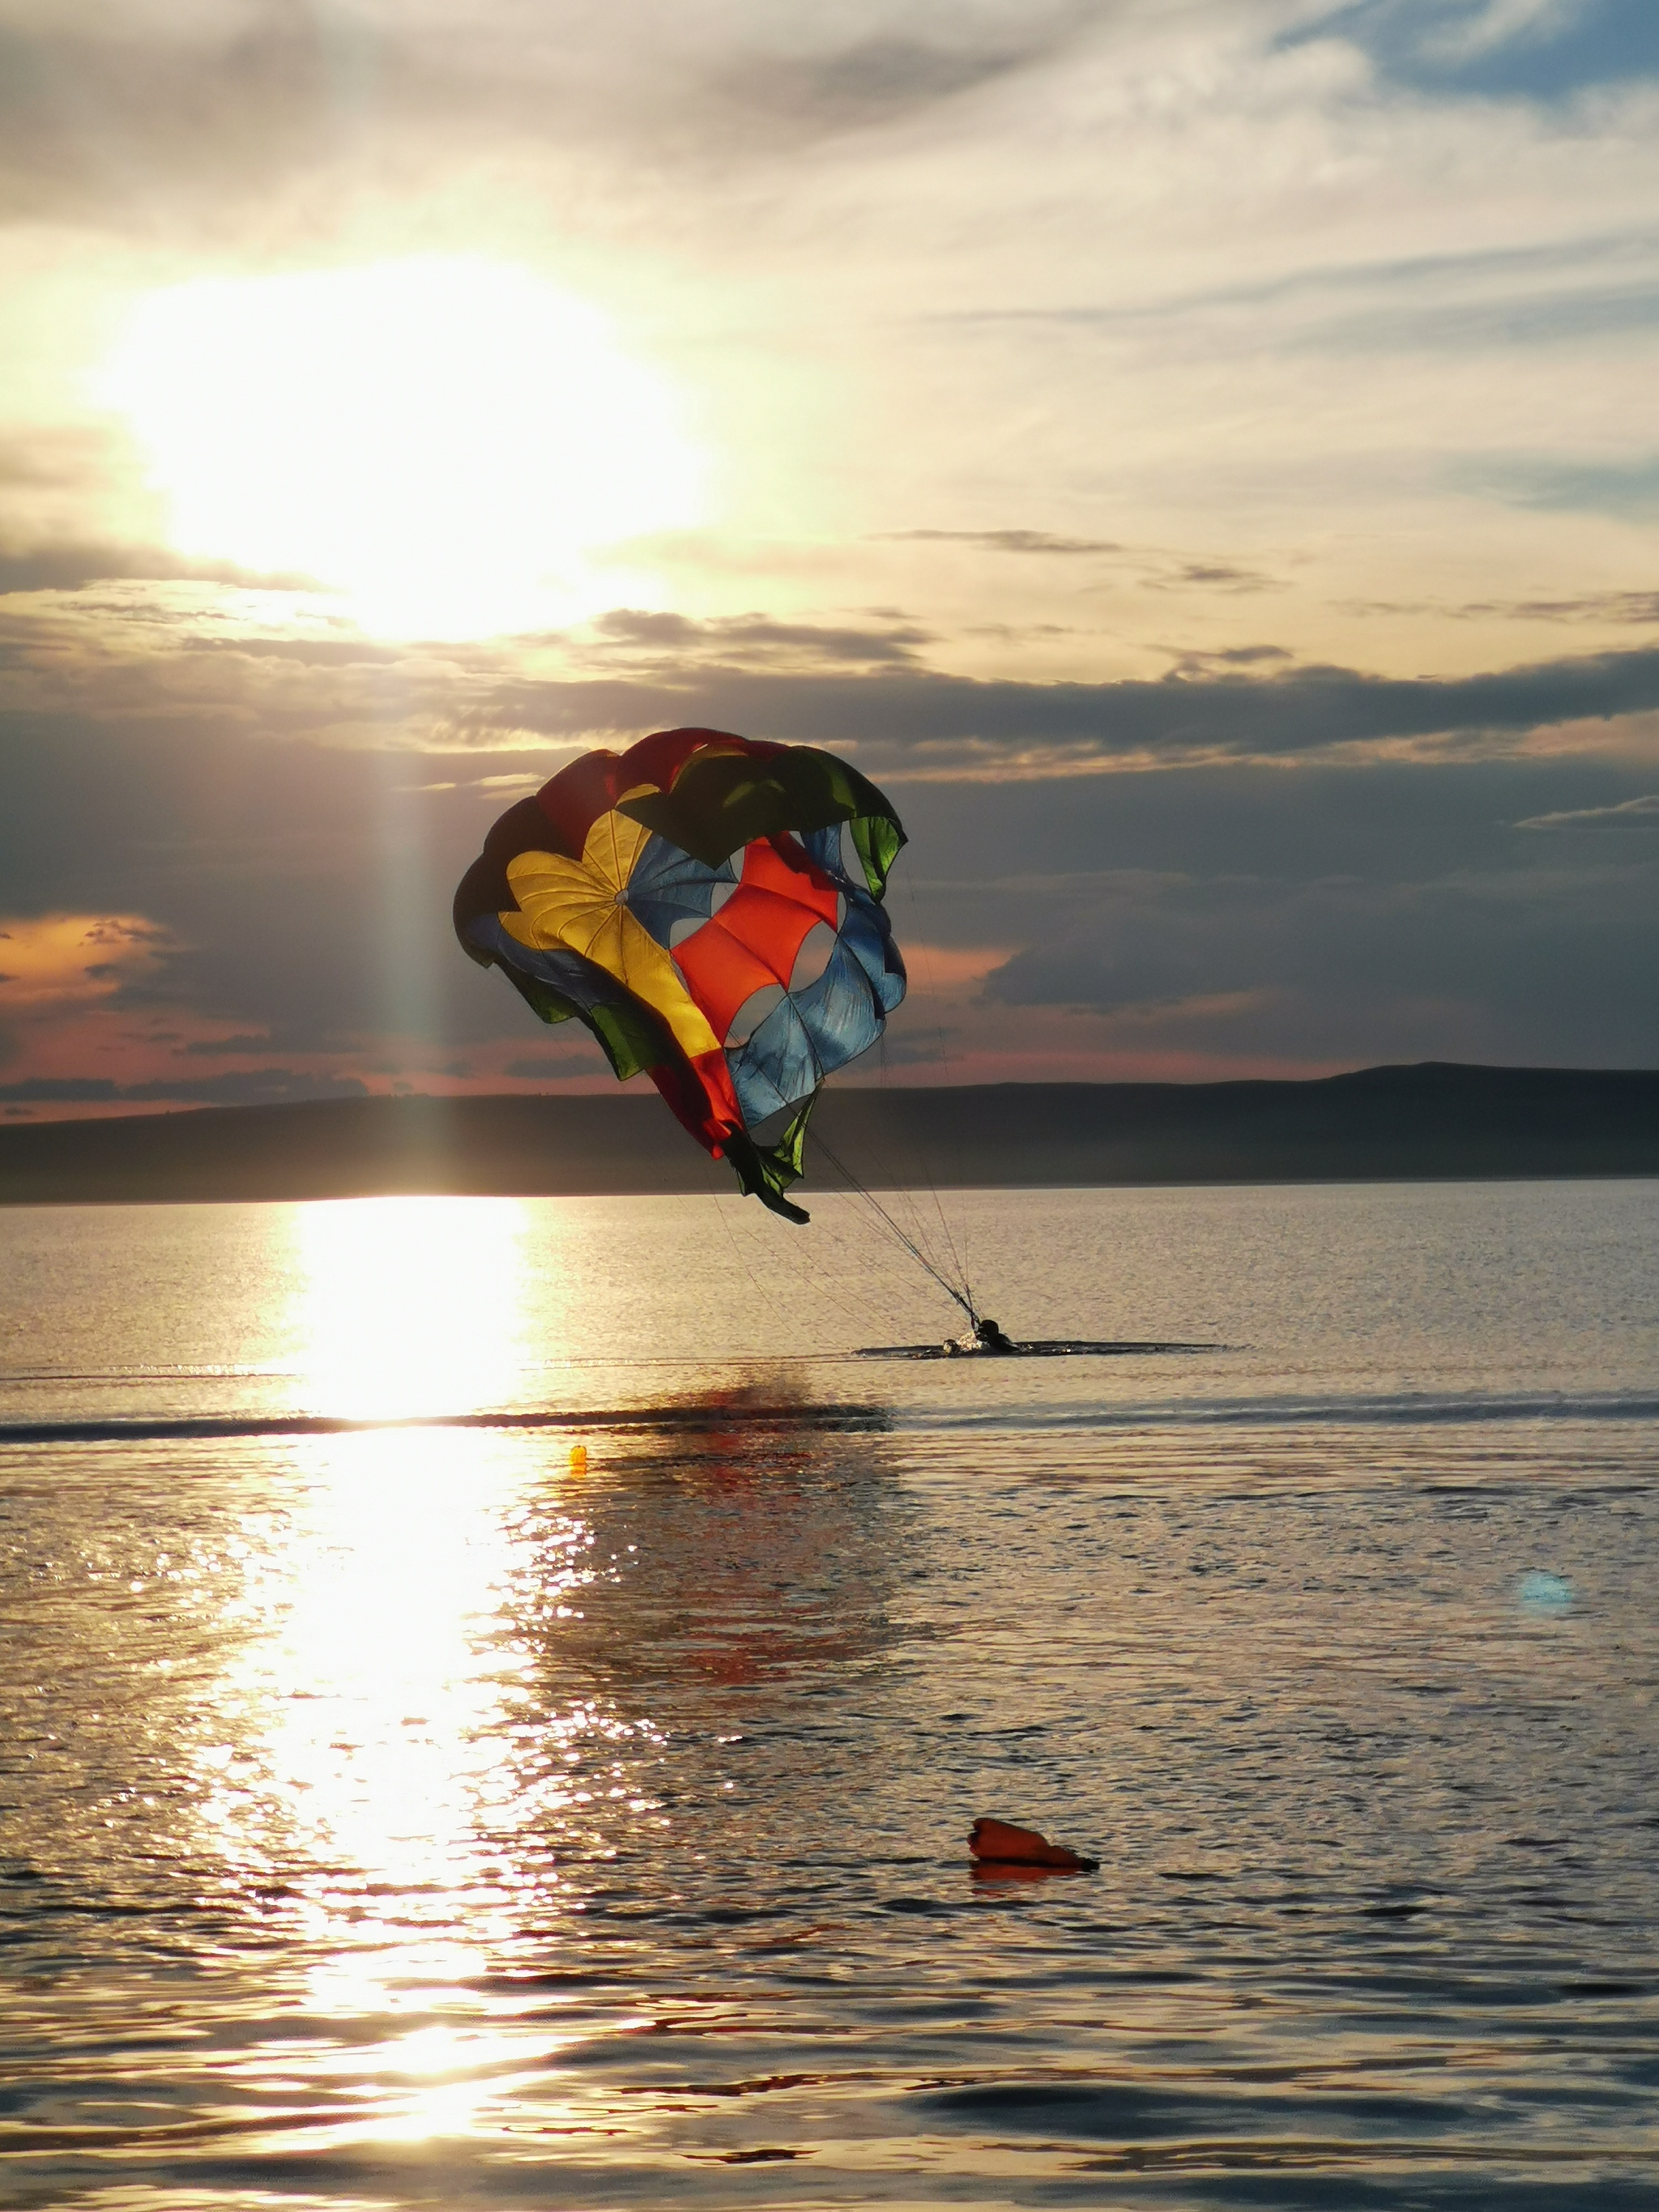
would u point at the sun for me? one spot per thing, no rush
(447, 442)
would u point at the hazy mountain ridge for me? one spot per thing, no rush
(1435, 1119)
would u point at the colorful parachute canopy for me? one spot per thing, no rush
(689, 901)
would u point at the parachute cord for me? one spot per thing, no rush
(944, 1056)
(959, 1297)
(918, 1161)
(737, 1252)
(902, 1214)
(719, 1190)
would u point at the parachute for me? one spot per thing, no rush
(691, 901)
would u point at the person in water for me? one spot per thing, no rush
(984, 1336)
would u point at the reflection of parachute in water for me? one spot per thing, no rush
(689, 900)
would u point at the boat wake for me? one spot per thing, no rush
(707, 1417)
(1041, 1347)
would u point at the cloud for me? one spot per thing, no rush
(1226, 659)
(265, 1086)
(875, 80)
(1006, 862)
(1216, 575)
(1641, 813)
(1014, 541)
(69, 567)
(919, 720)
(1637, 609)
(542, 1066)
(863, 687)
(1146, 313)
(296, 900)
(124, 112)
(350, 652)
(1135, 268)
(1493, 294)
(104, 107)
(935, 967)
(49, 962)
(1158, 570)
(757, 641)
(225, 1047)
(1503, 965)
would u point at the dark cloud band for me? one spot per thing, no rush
(922, 719)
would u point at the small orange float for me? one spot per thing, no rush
(1001, 1844)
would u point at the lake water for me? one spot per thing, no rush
(575, 1814)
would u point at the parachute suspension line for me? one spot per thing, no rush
(722, 1196)
(719, 1193)
(722, 1193)
(918, 1160)
(959, 1297)
(909, 1244)
(906, 1170)
(944, 1057)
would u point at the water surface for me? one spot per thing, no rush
(575, 1814)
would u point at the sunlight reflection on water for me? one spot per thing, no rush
(406, 1306)
(391, 1771)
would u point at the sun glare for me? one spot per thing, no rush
(446, 441)
(410, 1306)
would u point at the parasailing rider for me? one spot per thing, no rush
(984, 1337)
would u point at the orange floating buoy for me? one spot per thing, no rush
(1000, 1844)
(579, 1459)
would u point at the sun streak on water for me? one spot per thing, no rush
(375, 1719)
(409, 1306)
(382, 1747)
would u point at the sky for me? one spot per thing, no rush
(1201, 457)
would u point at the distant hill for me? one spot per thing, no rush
(1435, 1119)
